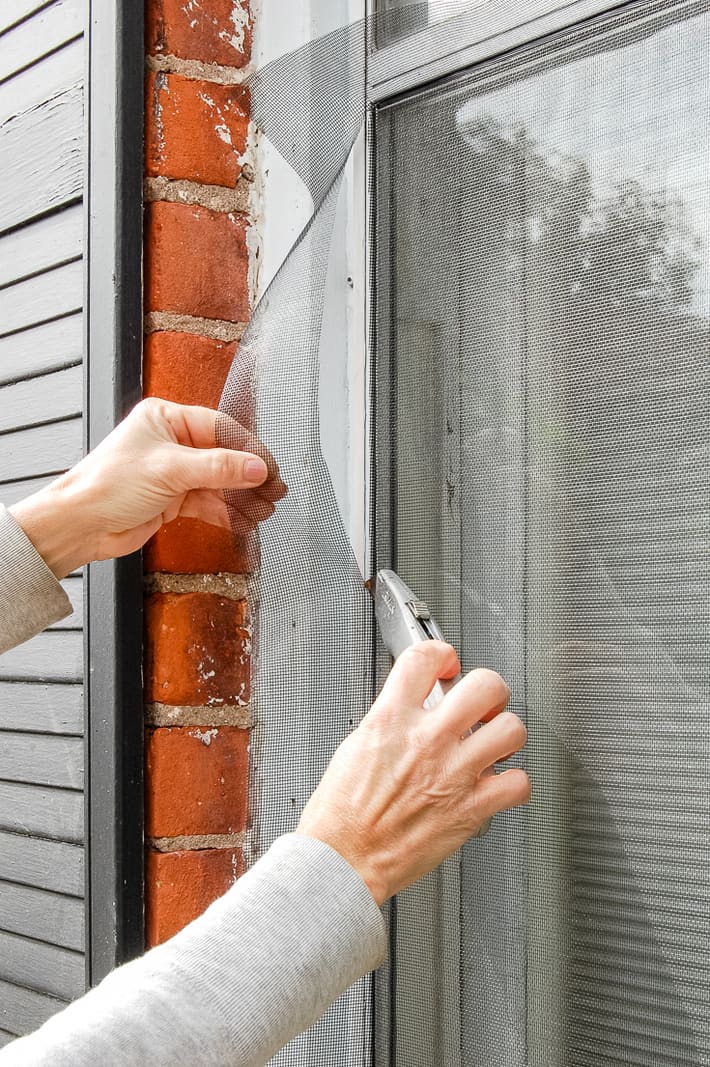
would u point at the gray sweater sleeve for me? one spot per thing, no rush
(257, 968)
(30, 596)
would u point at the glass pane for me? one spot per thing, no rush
(543, 300)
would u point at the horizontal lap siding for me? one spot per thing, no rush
(43, 811)
(42, 245)
(42, 60)
(28, 1007)
(50, 916)
(51, 346)
(41, 708)
(42, 152)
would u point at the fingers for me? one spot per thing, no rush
(205, 504)
(218, 435)
(217, 468)
(231, 434)
(495, 741)
(190, 425)
(480, 694)
(500, 792)
(273, 489)
(412, 678)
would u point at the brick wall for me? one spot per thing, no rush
(197, 300)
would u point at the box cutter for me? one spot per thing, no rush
(405, 620)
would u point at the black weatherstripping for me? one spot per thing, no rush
(114, 697)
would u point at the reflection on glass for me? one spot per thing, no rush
(544, 343)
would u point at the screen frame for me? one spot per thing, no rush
(470, 38)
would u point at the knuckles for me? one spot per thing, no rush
(152, 407)
(513, 728)
(434, 656)
(424, 650)
(497, 689)
(223, 468)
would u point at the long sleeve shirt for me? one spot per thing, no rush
(261, 964)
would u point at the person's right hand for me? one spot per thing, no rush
(407, 788)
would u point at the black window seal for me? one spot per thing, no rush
(113, 692)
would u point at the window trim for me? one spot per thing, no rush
(456, 44)
(113, 335)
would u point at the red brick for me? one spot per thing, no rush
(197, 649)
(189, 546)
(186, 369)
(181, 885)
(196, 262)
(196, 781)
(195, 129)
(213, 31)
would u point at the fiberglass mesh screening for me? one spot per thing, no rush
(313, 650)
(543, 293)
(543, 399)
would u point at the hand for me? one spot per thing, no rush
(160, 462)
(406, 789)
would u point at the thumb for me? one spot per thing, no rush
(217, 468)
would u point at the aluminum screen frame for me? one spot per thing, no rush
(472, 37)
(414, 61)
(385, 539)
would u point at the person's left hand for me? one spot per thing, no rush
(160, 462)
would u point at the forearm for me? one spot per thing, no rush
(30, 595)
(56, 522)
(259, 967)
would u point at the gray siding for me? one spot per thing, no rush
(42, 59)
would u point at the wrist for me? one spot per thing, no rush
(51, 519)
(362, 865)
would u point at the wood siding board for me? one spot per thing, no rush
(38, 36)
(42, 760)
(43, 916)
(35, 707)
(40, 400)
(40, 246)
(11, 492)
(56, 814)
(32, 453)
(44, 348)
(42, 224)
(43, 158)
(53, 656)
(39, 83)
(53, 865)
(14, 11)
(46, 968)
(25, 1008)
(50, 295)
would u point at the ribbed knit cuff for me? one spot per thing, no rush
(31, 598)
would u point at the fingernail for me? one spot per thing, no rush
(255, 470)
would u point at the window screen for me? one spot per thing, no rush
(543, 447)
(396, 19)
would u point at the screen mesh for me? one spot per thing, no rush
(395, 19)
(312, 657)
(543, 301)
